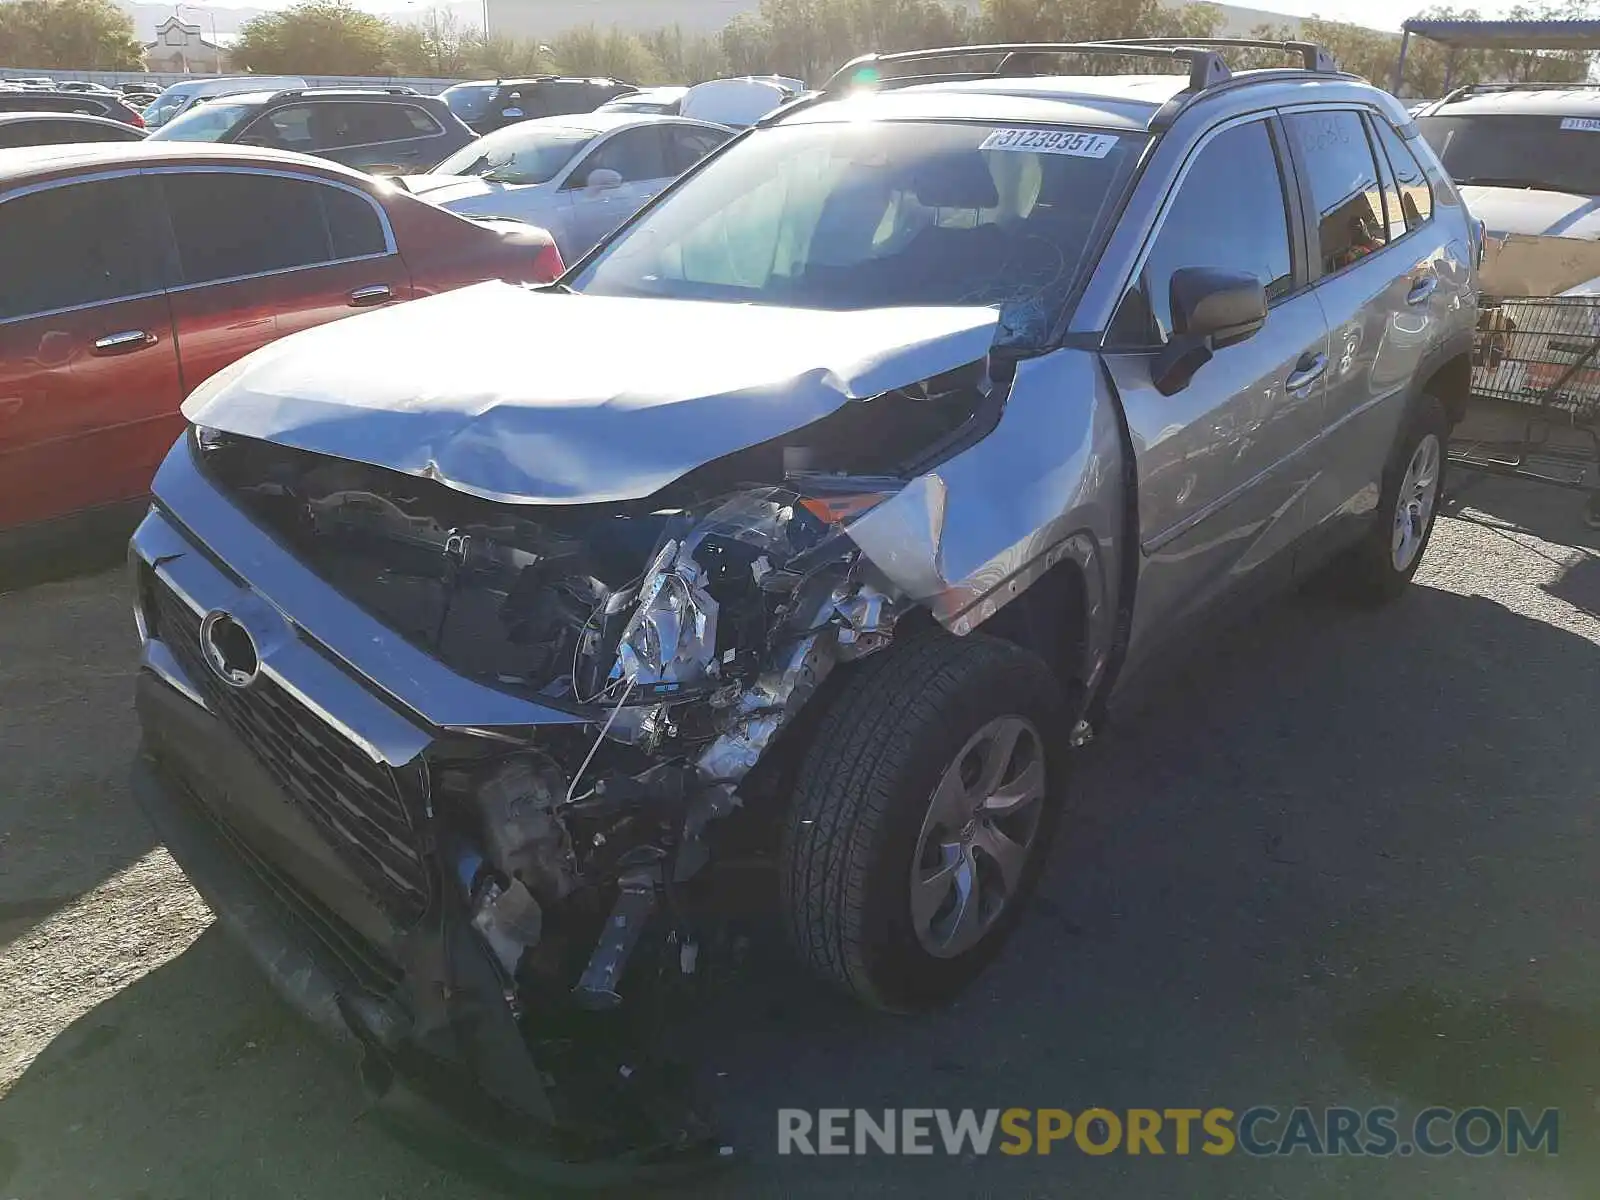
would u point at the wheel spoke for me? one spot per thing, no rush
(997, 755)
(966, 922)
(930, 891)
(1017, 794)
(952, 803)
(1007, 855)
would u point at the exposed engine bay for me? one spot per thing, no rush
(687, 631)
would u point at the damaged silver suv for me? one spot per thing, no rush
(809, 522)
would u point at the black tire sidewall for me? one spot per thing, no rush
(902, 974)
(1427, 416)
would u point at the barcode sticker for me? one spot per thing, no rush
(1586, 124)
(1050, 141)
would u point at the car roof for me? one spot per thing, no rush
(12, 118)
(1509, 100)
(604, 121)
(30, 162)
(1102, 101)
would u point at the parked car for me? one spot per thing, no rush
(35, 82)
(579, 177)
(87, 103)
(140, 88)
(53, 129)
(180, 97)
(1527, 160)
(84, 85)
(811, 521)
(384, 130)
(661, 101)
(135, 273)
(490, 104)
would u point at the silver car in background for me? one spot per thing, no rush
(579, 177)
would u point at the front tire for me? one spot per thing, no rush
(1378, 568)
(922, 810)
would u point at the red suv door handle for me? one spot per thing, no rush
(125, 342)
(378, 293)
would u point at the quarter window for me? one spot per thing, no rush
(1229, 213)
(236, 224)
(81, 244)
(1346, 196)
(1416, 197)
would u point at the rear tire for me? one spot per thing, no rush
(922, 810)
(1377, 569)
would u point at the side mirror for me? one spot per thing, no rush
(603, 179)
(1212, 309)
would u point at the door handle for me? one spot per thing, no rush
(1422, 289)
(1306, 372)
(378, 293)
(125, 342)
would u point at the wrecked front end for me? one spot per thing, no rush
(485, 760)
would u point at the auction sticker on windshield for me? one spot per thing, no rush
(1050, 141)
(1586, 124)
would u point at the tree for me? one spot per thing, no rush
(437, 45)
(611, 52)
(71, 34)
(316, 37)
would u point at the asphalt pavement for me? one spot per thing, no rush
(1335, 858)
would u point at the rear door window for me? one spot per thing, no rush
(687, 145)
(1416, 197)
(1346, 196)
(230, 225)
(82, 244)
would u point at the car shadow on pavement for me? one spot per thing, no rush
(1310, 869)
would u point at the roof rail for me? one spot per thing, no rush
(1472, 89)
(1313, 57)
(391, 89)
(1206, 67)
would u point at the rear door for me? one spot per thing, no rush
(89, 384)
(1223, 462)
(261, 254)
(1379, 286)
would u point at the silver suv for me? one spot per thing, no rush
(808, 523)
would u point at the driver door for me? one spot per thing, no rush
(1223, 464)
(638, 156)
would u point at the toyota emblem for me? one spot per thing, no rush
(229, 649)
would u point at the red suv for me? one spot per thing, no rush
(131, 273)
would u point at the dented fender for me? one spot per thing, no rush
(1045, 487)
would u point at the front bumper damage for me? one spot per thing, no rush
(465, 783)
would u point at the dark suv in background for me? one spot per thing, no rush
(88, 104)
(489, 104)
(388, 131)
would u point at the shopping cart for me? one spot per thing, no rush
(1535, 392)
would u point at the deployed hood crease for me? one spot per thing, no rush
(533, 397)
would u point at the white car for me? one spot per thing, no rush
(577, 176)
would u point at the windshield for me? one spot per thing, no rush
(204, 123)
(469, 100)
(161, 110)
(882, 214)
(1554, 153)
(523, 153)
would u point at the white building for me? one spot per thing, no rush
(182, 47)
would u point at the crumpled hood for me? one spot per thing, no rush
(1528, 211)
(551, 397)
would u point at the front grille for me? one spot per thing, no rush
(355, 801)
(360, 962)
